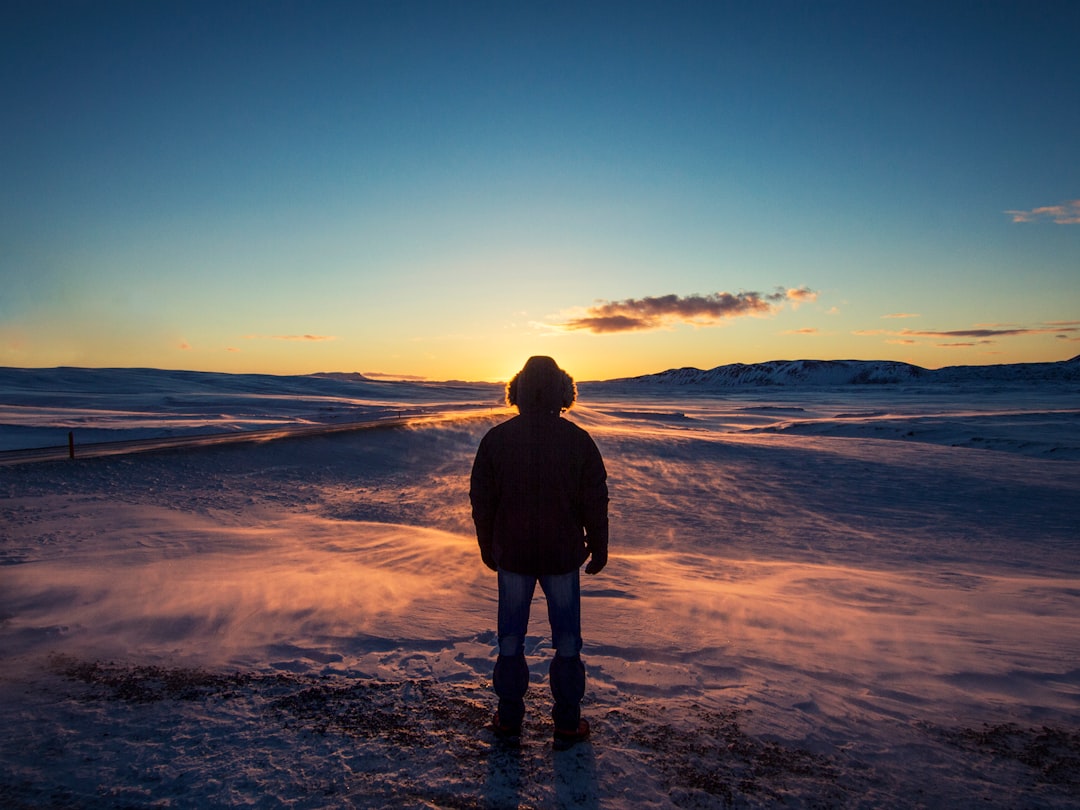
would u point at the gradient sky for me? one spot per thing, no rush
(443, 189)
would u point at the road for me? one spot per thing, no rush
(98, 449)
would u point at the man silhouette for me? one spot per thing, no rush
(539, 501)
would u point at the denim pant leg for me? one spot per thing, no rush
(511, 676)
(515, 600)
(567, 672)
(563, 594)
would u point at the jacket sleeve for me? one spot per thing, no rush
(595, 502)
(483, 495)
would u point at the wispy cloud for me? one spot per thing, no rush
(382, 375)
(312, 338)
(987, 333)
(980, 335)
(654, 312)
(1067, 213)
(901, 315)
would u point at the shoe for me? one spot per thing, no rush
(565, 738)
(506, 734)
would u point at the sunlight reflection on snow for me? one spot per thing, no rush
(214, 592)
(775, 569)
(331, 591)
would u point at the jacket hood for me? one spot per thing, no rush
(541, 386)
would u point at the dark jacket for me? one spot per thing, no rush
(539, 495)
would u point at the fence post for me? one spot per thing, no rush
(71, 444)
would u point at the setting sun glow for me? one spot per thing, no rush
(438, 191)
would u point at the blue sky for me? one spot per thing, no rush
(442, 189)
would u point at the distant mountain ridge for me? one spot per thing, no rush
(853, 372)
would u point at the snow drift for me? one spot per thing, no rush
(818, 597)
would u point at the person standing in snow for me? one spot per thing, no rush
(539, 502)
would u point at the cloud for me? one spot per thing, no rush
(184, 346)
(1067, 213)
(311, 338)
(401, 377)
(986, 333)
(980, 335)
(800, 295)
(901, 315)
(806, 331)
(654, 312)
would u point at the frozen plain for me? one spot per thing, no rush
(850, 596)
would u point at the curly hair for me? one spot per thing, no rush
(541, 386)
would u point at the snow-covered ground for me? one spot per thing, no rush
(857, 596)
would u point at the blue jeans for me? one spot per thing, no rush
(567, 673)
(563, 594)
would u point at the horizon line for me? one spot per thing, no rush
(418, 380)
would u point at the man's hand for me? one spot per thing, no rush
(597, 563)
(489, 560)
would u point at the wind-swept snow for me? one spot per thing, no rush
(821, 597)
(39, 407)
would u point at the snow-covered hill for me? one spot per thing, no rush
(853, 372)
